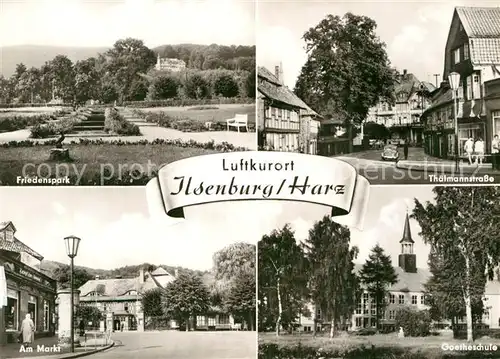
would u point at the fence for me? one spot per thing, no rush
(93, 340)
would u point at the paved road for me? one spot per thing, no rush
(379, 172)
(179, 345)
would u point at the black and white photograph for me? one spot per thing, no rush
(407, 92)
(421, 280)
(89, 271)
(106, 92)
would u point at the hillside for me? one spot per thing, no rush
(50, 268)
(36, 56)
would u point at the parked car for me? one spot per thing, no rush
(390, 153)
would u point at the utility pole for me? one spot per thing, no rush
(436, 77)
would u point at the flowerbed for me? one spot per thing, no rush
(175, 102)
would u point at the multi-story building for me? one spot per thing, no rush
(286, 123)
(403, 118)
(408, 291)
(473, 51)
(29, 291)
(168, 64)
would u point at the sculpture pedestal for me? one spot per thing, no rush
(59, 154)
(64, 317)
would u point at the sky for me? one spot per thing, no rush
(384, 221)
(101, 23)
(116, 229)
(415, 32)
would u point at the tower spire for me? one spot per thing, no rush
(407, 231)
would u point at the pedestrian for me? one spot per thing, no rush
(495, 155)
(479, 151)
(82, 328)
(28, 330)
(469, 149)
(405, 149)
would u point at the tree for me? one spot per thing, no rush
(89, 313)
(333, 282)
(377, 275)
(250, 84)
(347, 70)
(152, 302)
(225, 86)
(196, 87)
(108, 94)
(233, 260)
(62, 75)
(461, 226)
(87, 80)
(282, 281)
(376, 131)
(163, 87)
(241, 299)
(28, 85)
(185, 297)
(63, 276)
(138, 90)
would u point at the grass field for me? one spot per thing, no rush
(104, 161)
(430, 346)
(221, 114)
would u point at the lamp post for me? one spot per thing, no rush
(454, 80)
(72, 244)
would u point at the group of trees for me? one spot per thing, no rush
(319, 271)
(461, 226)
(116, 74)
(230, 288)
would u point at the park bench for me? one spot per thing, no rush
(236, 326)
(238, 121)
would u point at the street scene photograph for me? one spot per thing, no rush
(105, 93)
(407, 93)
(420, 281)
(98, 275)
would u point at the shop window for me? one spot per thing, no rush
(32, 309)
(467, 131)
(12, 310)
(46, 316)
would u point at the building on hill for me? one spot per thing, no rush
(285, 122)
(473, 51)
(169, 64)
(121, 297)
(409, 291)
(403, 119)
(28, 289)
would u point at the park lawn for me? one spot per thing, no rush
(90, 161)
(223, 113)
(430, 346)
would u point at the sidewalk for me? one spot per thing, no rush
(447, 167)
(45, 348)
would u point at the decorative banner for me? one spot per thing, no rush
(244, 176)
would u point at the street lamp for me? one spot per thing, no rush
(72, 244)
(454, 80)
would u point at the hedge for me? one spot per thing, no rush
(274, 351)
(220, 147)
(176, 102)
(20, 105)
(16, 122)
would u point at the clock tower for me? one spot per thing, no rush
(407, 259)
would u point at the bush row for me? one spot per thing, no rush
(182, 102)
(17, 122)
(211, 145)
(273, 351)
(116, 124)
(20, 105)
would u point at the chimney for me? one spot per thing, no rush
(141, 275)
(277, 73)
(405, 72)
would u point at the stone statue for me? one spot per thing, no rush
(401, 333)
(59, 153)
(60, 140)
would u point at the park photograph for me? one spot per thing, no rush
(407, 94)
(421, 280)
(112, 104)
(135, 285)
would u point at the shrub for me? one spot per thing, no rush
(17, 122)
(415, 323)
(181, 102)
(226, 86)
(53, 128)
(196, 87)
(250, 84)
(163, 87)
(117, 124)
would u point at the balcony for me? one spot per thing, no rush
(280, 126)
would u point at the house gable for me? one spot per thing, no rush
(457, 37)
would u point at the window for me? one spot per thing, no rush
(401, 299)
(12, 310)
(288, 115)
(496, 122)
(9, 235)
(392, 314)
(359, 322)
(392, 298)
(307, 329)
(486, 314)
(125, 307)
(468, 87)
(318, 314)
(456, 56)
(46, 316)
(422, 299)
(223, 319)
(466, 51)
(32, 309)
(359, 308)
(365, 303)
(211, 321)
(467, 131)
(414, 299)
(476, 87)
(201, 320)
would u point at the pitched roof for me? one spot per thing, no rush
(407, 282)
(117, 287)
(482, 22)
(159, 271)
(272, 88)
(16, 245)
